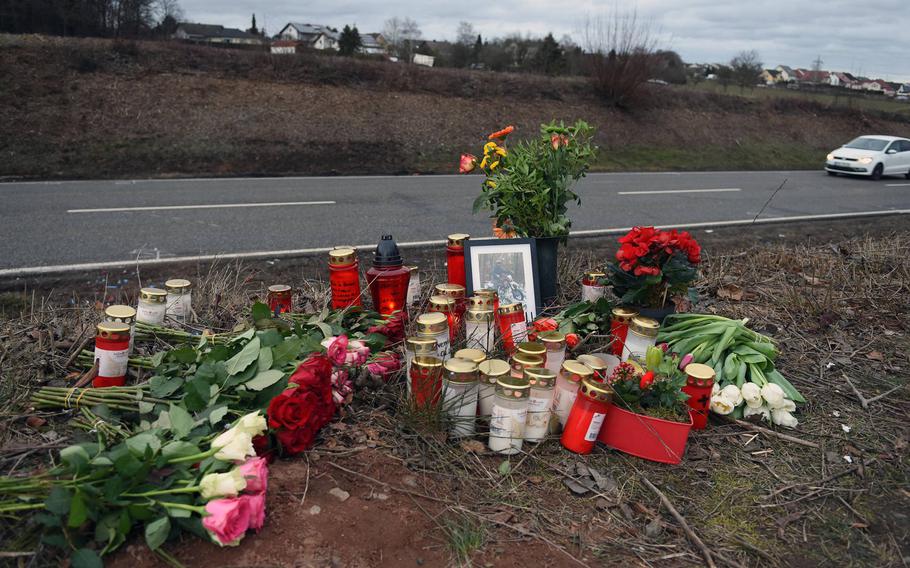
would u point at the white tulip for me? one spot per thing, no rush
(715, 389)
(721, 404)
(236, 449)
(216, 485)
(733, 394)
(252, 423)
(760, 410)
(788, 405)
(783, 418)
(773, 394)
(752, 395)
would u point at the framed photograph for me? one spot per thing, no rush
(508, 266)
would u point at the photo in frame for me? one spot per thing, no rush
(508, 266)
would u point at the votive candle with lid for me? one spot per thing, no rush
(455, 258)
(122, 314)
(425, 377)
(388, 278)
(459, 386)
(586, 416)
(445, 305)
(535, 348)
(490, 294)
(344, 277)
(152, 306)
(479, 330)
(112, 353)
(513, 329)
(540, 403)
(555, 343)
(593, 286)
(597, 364)
(179, 299)
(477, 356)
(454, 291)
(699, 383)
(522, 361)
(642, 334)
(491, 371)
(510, 414)
(619, 328)
(571, 374)
(279, 298)
(416, 347)
(435, 325)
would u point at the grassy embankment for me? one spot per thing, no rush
(86, 108)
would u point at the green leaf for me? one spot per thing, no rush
(242, 360)
(263, 380)
(157, 358)
(270, 338)
(179, 449)
(178, 513)
(286, 351)
(58, 501)
(325, 328)
(156, 532)
(505, 468)
(75, 457)
(265, 359)
(217, 414)
(181, 421)
(146, 407)
(86, 558)
(139, 443)
(260, 311)
(78, 511)
(185, 355)
(162, 387)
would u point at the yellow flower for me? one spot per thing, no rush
(501, 151)
(489, 147)
(483, 163)
(491, 183)
(494, 165)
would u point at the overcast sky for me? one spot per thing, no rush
(868, 37)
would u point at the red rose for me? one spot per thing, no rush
(545, 324)
(314, 370)
(300, 412)
(392, 328)
(263, 446)
(572, 340)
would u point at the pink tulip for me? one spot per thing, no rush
(227, 520)
(467, 163)
(685, 361)
(664, 346)
(256, 507)
(256, 473)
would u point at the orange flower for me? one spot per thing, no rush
(501, 133)
(554, 141)
(504, 232)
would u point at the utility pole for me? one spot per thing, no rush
(817, 69)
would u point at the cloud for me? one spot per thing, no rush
(864, 37)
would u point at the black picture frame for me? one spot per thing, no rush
(474, 248)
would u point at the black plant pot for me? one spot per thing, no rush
(547, 254)
(657, 313)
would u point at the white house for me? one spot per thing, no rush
(372, 44)
(904, 90)
(787, 74)
(283, 47)
(311, 35)
(208, 33)
(426, 60)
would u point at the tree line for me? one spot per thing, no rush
(101, 18)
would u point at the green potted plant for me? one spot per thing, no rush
(528, 187)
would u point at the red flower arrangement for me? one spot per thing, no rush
(305, 407)
(654, 266)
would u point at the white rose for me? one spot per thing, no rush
(252, 423)
(237, 449)
(752, 395)
(773, 394)
(216, 485)
(733, 394)
(783, 418)
(721, 404)
(760, 410)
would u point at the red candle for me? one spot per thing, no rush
(512, 326)
(619, 328)
(279, 299)
(446, 305)
(344, 278)
(112, 353)
(455, 258)
(388, 278)
(456, 292)
(586, 417)
(699, 383)
(426, 380)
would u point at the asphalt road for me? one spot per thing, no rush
(52, 226)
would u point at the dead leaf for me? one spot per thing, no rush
(653, 528)
(576, 487)
(859, 526)
(35, 421)
(730, 292)
(812, 280)
(502, 517)
(474, 446)
(604, 482)
(535, 479)
(875, 356)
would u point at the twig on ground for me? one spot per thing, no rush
(82, 345)
(88, 376)
(780, 435)
(865, 402)
(693, 538)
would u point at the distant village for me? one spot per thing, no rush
(783, 75)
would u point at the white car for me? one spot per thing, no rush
(873, 156)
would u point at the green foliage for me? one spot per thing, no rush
(349, 41)
(531, 190)
(585, 318)
(663, 397)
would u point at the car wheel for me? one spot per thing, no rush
(907, 175)
(877, 172)
(832, 173)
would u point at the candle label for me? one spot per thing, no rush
(519, 332)
(413, 288)
(112, 363)
(592, 293)
(508, 422)
(562, 403)
(149, 315)
(594, 428)
(442, 346)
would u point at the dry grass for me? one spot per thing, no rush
(837, 310)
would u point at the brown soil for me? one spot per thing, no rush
(96, 108)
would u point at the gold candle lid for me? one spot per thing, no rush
(575, 371)
(420, 345)
(540, 378)
(525, 360)
(279, 288)
(479, 316)
(488, 292)
(594, 275)
(596, 363)
(492, 369)
(645, 326)
(427, 361)
(595, 390)
(120, 312)
(475, 355)
(178, 285)
(461, 370)
(552, 340)
(513, 387)
(443, 304)
(342, 255)
(432, 323)
(511, 309)
(532, 348)
(624, 314)
(458, 239)
(108, 328)
(451, 290)
(154, 295)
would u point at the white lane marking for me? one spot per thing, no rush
(656, 191)
(897, 184)
(217, 206)
(34, 270)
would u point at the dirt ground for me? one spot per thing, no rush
(88, 108)
(836, 297)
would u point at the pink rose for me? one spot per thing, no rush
(256, 473)
(256, 507)
(342, 387)
(466, 163)
(384, 365)
(337, 349)
(357, 354)
(227, 520)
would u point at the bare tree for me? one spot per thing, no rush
(165, 8)
(402, 35)
(746, 68)
(621, 49)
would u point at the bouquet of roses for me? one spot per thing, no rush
(653, 267)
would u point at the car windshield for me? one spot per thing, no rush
(867, 144)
